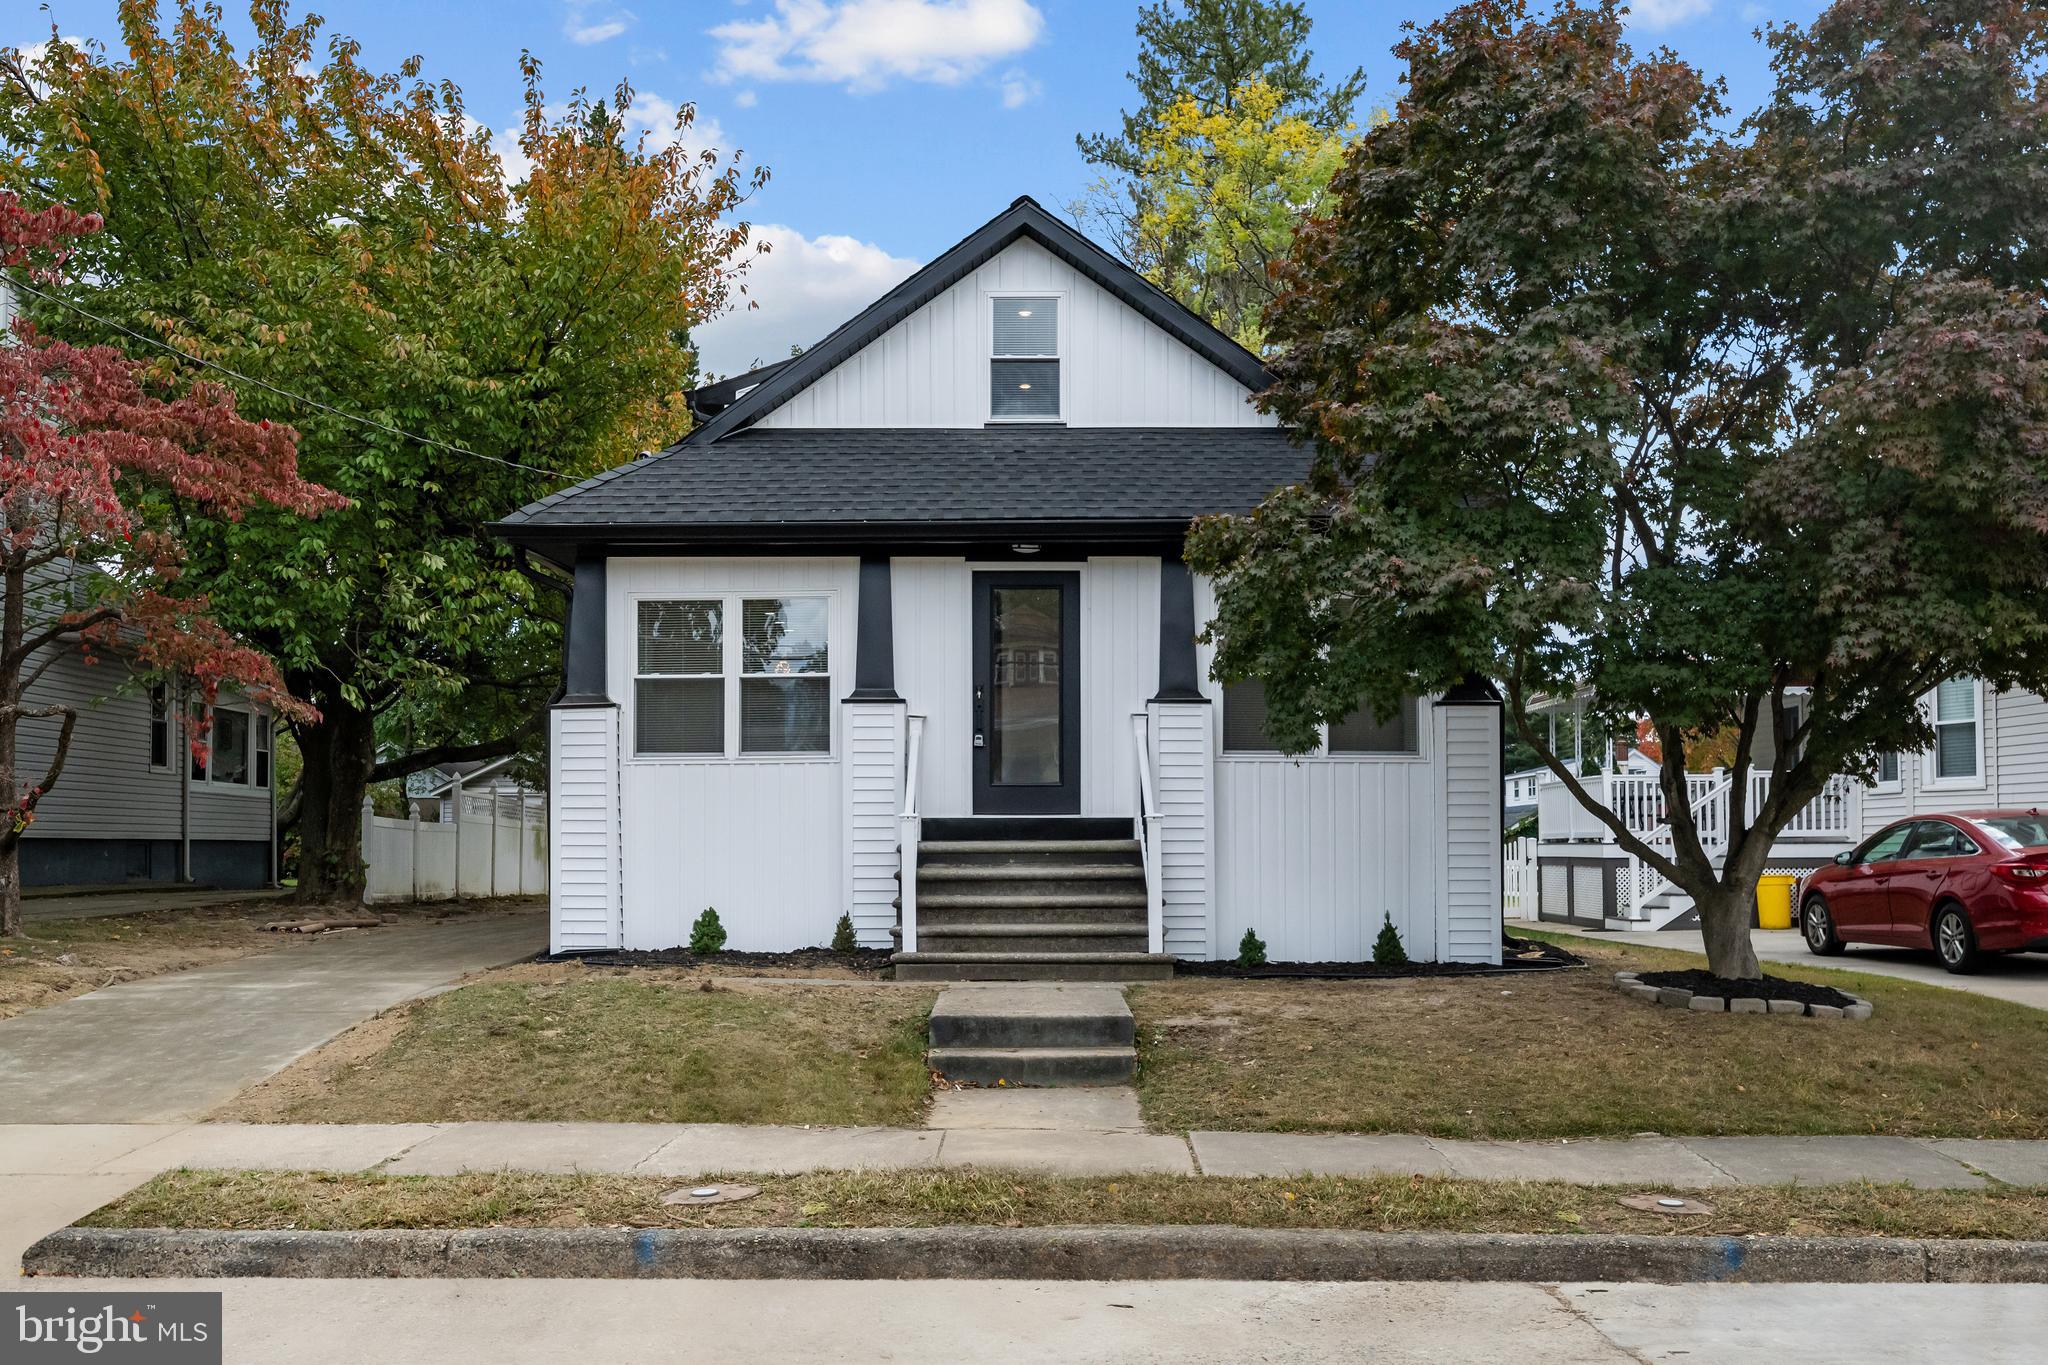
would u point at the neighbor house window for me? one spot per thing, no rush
(226, 756)
(1888, 770)
(230, 746)
(159, 725)
(679, 682)
(776, 650)
(261, 725)
(1024, 365)
(785, 683)
(200, 738)
(1956, 731)
(1244, 727)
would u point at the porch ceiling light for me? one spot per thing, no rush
(1024, 549)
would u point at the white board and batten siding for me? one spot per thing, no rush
(758, 839)
(931, 369)
(1314, 853)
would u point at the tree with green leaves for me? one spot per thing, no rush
(451, 339)
(1605, 395)
(1233, 138)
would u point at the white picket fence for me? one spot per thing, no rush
(1518, 884)
(497, 847)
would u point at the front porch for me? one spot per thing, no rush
(1585, 877)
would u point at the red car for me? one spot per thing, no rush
(1964, 885)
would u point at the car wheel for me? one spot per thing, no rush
(1819, 928)
(1955, 942)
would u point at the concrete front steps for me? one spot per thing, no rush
(1002, 898)
(1049, 1034)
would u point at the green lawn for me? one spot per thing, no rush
(1564, 1055)
(560, 1043)
(293, 1199)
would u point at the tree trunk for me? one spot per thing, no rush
(1726, 916)
(339, 751)
(10, 888)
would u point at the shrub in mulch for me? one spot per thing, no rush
(1766, 988)
(810, 959)
(1517, 955)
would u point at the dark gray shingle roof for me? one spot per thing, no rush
(886, 477)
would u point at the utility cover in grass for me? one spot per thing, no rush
(1764, 988)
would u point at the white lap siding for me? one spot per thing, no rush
(759, 839)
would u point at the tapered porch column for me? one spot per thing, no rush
(584, 906)
(1183, 759)
(872, 774)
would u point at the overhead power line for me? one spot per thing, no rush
(288, 394)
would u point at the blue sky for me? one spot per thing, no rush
(892, 127)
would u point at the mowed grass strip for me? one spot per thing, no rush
(302, 1200)
(627, 1047)
(1562, 1054)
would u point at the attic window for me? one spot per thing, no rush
(1024, 366)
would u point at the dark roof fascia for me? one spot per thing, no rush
(1024, 218)
(562, 544)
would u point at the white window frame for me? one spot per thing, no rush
(989, 299)
(1322, 752)
(1930, 775)
(732, 655)
(1897, 781)
(257, 718)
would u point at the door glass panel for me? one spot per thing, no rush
(1024, 672)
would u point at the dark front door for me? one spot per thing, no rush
(1027, 694)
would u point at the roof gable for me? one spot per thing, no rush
(1023, 218)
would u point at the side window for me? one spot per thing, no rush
(1888, 770)
(679, 682)
(261, 724)
(1955, 730)
(1885, 847)
(1244, 719)
(1024, 366)
(785, 682)
(159, 725)
(1363, 733)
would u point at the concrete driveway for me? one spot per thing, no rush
(2019, 977)
(177, 1046)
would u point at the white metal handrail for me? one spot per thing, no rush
(910, 829)
(1146, 825)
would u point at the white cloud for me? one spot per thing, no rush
(583, 27)
(746, 99)
(805, 286)
(32, 56)
(656, 117)
(1020, 88)
(865, 44)
(1659, 14)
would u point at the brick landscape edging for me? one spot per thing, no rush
(1676, 998)
(1060, 1253)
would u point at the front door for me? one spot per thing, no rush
(1027, 694)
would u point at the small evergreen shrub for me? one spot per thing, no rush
(1386, 949)
(842, 936)
(707, 935)
(1251, 950)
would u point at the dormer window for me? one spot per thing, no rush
(1024, 369)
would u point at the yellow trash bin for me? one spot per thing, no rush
(1774, 901)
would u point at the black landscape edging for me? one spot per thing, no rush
(1059, 1253)
(858, 959)
(1541, 957)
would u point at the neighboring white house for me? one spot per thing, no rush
(431, 793)
(1991, 752)
(903, 631)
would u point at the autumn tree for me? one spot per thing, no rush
(452, 336)
(1604, 393)
(1231, 141)
(101, 461)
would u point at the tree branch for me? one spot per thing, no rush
(438, 754)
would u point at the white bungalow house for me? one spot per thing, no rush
(1991, 752)
(902, 630)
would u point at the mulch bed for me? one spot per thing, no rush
(1517, 955)
(1768, 988)
(859, 960)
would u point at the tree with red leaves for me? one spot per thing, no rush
(99, 457)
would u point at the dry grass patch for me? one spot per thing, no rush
(559, 1041)
(1563, 1055)
(56, 959)
(286, 1200)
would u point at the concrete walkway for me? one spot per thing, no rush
(2021, 978)
(174, 1047)
(683, 1151)
(98, 904)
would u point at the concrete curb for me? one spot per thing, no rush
(1060, 1253)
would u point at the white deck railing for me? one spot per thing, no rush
(1146, 826)
(1638, 799)
(909, 830)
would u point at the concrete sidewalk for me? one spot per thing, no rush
(174, 1047)
(135, 1151)
(2021, 978)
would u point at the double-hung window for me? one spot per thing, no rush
(1958, 748)
(733, 676)
(234, 747)
(1360, 733)
(1888, 772)
(159, 725)
(1024, 363)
